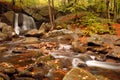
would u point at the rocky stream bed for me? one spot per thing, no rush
(58, 55)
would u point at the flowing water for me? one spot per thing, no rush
(24, 57)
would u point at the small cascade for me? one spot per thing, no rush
(23, 22)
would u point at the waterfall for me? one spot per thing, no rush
(23, 22)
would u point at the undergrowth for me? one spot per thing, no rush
(92, 26)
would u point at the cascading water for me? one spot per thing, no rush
(23, 22)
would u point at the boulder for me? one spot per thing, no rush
(38, 13)
(56, 33)
(30, 40)
(3, 36)
(78, 47)
(9, 16)
(79, 74)
(33, 33)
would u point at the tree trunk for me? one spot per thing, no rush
(107, 9)
(13, 21)
(50, 15)
(53, 13)
(115, 9)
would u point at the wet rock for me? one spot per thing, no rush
(101, 50)
(33, 33)
(115, 52)
(66, 62)
(110, 60)
(78, 47)
(61, 54)
(100, 57)
(79, 74)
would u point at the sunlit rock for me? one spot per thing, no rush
(79, 74)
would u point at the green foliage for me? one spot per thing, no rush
(72, 7)
(97, 28)
(89, 19)
(92, 26)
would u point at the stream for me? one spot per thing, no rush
(21, 53)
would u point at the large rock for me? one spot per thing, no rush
(34, 33)
(40, 13)
(78, 47)
(9, 16)
(3, 36)
(30, 40)
(8, 30)
(56, 33)
(79, 74)
(115, 52)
